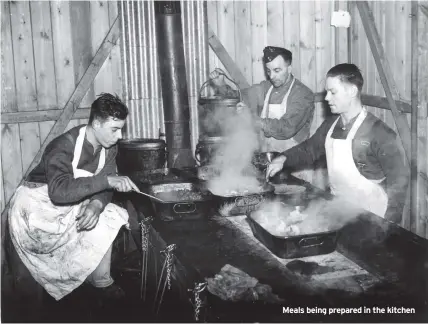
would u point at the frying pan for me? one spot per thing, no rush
(244, 203)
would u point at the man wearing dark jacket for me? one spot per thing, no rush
(62, 222)
(364, 162)
(283, 106)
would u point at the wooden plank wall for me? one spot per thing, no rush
(393, 20)
(46, 47)
(304, 28)
(246, 27)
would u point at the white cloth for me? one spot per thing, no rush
(276, 111)
(46, 239)
(270, 144)
(345, 179)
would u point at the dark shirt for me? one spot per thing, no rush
(55, 169)
(296, 122)
(376, 155)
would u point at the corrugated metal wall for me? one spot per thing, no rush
(142, 89)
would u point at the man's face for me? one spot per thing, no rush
(278, 71)
(108, 132)
(339, 95)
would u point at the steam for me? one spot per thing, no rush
(281, 219)
(233, 159)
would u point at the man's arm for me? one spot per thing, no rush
(62, 187)
(299, 111)
(254, 97)
(390, 157)
(308, 152)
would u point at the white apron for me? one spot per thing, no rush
(270, 144)
(275, 111)
(345, 179)
(46, 239)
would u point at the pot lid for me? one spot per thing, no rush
(214, 139)
(142, 143)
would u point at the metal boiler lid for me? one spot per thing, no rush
(142, 144)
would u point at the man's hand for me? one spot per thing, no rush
(217, 78)
(88, 215)
(275, 166)
(121, 183)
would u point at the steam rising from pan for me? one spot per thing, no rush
(234, 158)
(320, 216)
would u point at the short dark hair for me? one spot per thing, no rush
(349, 73)
(108, 105)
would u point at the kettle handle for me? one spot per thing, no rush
(222, 73)
(197, 155)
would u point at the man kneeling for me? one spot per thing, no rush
(61, 221)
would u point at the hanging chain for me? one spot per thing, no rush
(168, 260)
(145, 229)
(199, 287)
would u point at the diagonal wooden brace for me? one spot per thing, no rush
(385, 74)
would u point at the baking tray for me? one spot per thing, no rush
(297, 246)
(183, 201)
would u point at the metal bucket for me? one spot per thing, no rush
(207, 148)
(214, 111)
(141, 154)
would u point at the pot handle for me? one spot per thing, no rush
(184, 208)
(311, 241)
(246, 201)
(222, 73)
(197, 155)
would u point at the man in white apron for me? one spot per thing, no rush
(283, 106)
(365, 164)
(61, 221)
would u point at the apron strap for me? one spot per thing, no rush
(78, 152)
(78, 147)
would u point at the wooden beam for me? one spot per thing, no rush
(424, 9)
(414, 210)
(385, 74)
(373, 101)
(75, 99)
(227, 61)
(83, 113)
(350, 7)
(40, 116)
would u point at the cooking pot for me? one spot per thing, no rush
(141, 154)
(214, 111)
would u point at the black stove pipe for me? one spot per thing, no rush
(174, 84)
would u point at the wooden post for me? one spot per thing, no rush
(414, 119)
(227, 61)
(350, 6)
(341, 39)
(385, 74)
(72, 104)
